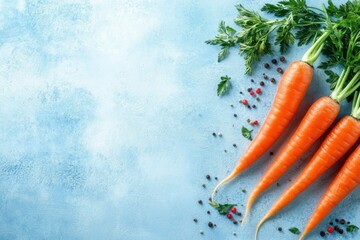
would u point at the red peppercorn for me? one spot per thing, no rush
(252, 93)
(245, 102)
(233, 210)
(229, 216)
(330, 229)
(255, 122)
(258, 90)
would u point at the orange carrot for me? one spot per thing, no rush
(317, 120)
(345, 182)
(291, 91)
(339, 141)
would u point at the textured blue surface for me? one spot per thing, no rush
(106, 113)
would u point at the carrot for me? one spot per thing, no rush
(340, 139)
(344, 183)
(292, 89)
(316, 121)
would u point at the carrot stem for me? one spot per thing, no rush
(314, 51)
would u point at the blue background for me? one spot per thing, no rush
(107, 110)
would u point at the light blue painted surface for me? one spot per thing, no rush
(106, 113)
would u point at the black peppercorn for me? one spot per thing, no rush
(234, 145)
(235, 115)
(271, 153)
(262, 83)
(322, 233)
(211, 225)
(274, 61)
(208, 212)
(280, 70)
(195, 220)
(282, 59)
(200, 202)
(267, 66)
(342, 221)
(214, 134)
(280, 229)
(272, 80)
(208, 177)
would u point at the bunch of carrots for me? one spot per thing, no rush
(336, 35)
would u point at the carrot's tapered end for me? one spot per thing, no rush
(222, 182)
(250, 202)
(303, 235)
(259, 225)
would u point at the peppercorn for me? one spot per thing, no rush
(280, 229)
(252, 80)
(231, 105)
(271, 153)
(208, 212)
(322, 233)
(202, 232)
(248, 120)
(216, 178)
(348, 222)
(267, 66)
(248, 106)
(253, 106)
(280, 70)
(204, 186)
(211, 225)
(341, 231)
(239, 214)
(244, 190)
(342, 221)
(330, 230)
(273, 80)
(265, 76)
(195, 220)
(282, 59)
(235, 222)
(234, 145)
(208, 177)
(220, 134)
(249, 89)
(200, 202)
(278, 184)
(274, 61)
(241, 92)
(214, 134)
(331, 223)
(257, 99)
(262, 83)
(336, 220)
(235, 115)
(225, 150)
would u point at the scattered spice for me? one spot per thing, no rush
(235, 115)
(330, 229)
(233, 210)
(258, 90)
(342, 221)
(195, 220)
(280, 229)
(282, 59)
(234, 233)
(241, 92)
(248, 120)
(239, 214)
(208, 177)
(267, 66)
(208, 212)
(280, 70)
(249, 89)
(336, 220)
(278, 184)
(273, 80)
(252, 93)
(245, 102)
(201, 232)
(274, 61)
(265, 76)
(262, 83)
(243, 190)
(216, 178)
(204, 186)
(229, 216)
(256, 122)
(253, 106)
(200, 202)
(257, 99)
(322, 233)
(235, 222)
(252, 80)
(249, 107)
(211, 225)
(271, 153)
(225, 150)
(220, 134)
(331, 223)
(234, 145)
(214, 134)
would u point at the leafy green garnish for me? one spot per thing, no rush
(332, 78)
(246, 133)
(224, 85)
(226, 39)
(351, 228)
(223, 209)
(294, 230)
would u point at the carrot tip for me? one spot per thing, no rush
(259, 225)
(302, 236)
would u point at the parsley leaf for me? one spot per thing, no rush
(332, 78)
(224, 85)
(246, 133)
(226, 38)
(223, 209)
(294, 230)
(351, 228)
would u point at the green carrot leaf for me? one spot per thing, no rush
(294, 230)
(351, 228)
(224, 85)
(223, 209)
(246, 133)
